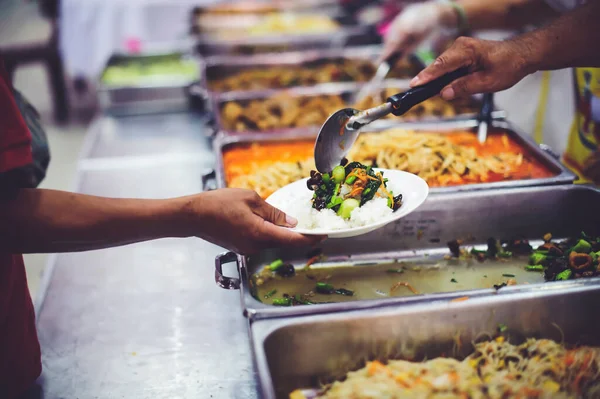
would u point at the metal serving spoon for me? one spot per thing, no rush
(341, 129)
(485, 116)
(380, 75)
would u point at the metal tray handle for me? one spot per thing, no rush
(228, 283)
(209, 181)
(198, 97)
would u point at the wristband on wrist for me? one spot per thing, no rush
(463, 21)
(462, 25)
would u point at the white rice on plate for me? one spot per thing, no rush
(310, 219)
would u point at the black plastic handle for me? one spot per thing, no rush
(487, 107)
(402, 102)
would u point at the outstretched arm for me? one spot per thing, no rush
(417, 21)
(494, 66)
(35, 220)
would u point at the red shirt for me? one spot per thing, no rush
(20, 358)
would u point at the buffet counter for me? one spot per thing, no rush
(143, 320)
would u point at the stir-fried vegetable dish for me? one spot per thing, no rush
(575, 257)
(348, 187)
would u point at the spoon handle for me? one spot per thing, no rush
(402, 102)
(393, 58)
(487, 107)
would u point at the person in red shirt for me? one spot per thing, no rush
(36, 221)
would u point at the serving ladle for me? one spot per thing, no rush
(341, 129)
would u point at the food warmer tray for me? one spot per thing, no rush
(564, 211)
(216, 67)
(349, 33)
(178, 94)
(216, 178)
(322, 348)
(345, 90)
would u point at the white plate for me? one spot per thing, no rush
(414, 191)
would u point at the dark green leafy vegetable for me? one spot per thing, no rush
(270, 294)
(507, 275)
(453, 280)
(345, 292)
(502, 327)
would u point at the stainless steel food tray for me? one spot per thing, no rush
(217, 67)
(345, 90)
(349, 33)
(147, 96)
(563, 210)
(543, 153)
(300, 352)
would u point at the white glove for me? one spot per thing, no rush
(414, 24)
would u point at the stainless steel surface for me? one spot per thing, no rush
(563, 175)
(325, 347)
(503, 214)
(175, 134)
(148, 96)
(144, 320)
(216, 67)
(345, 90)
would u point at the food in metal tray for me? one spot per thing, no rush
(575, 257)
(441, 159)
(279, 111)
(537, 368)
(283, 283)
(286, 111)
(275, 23)
(306, 74)
(151, 70)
